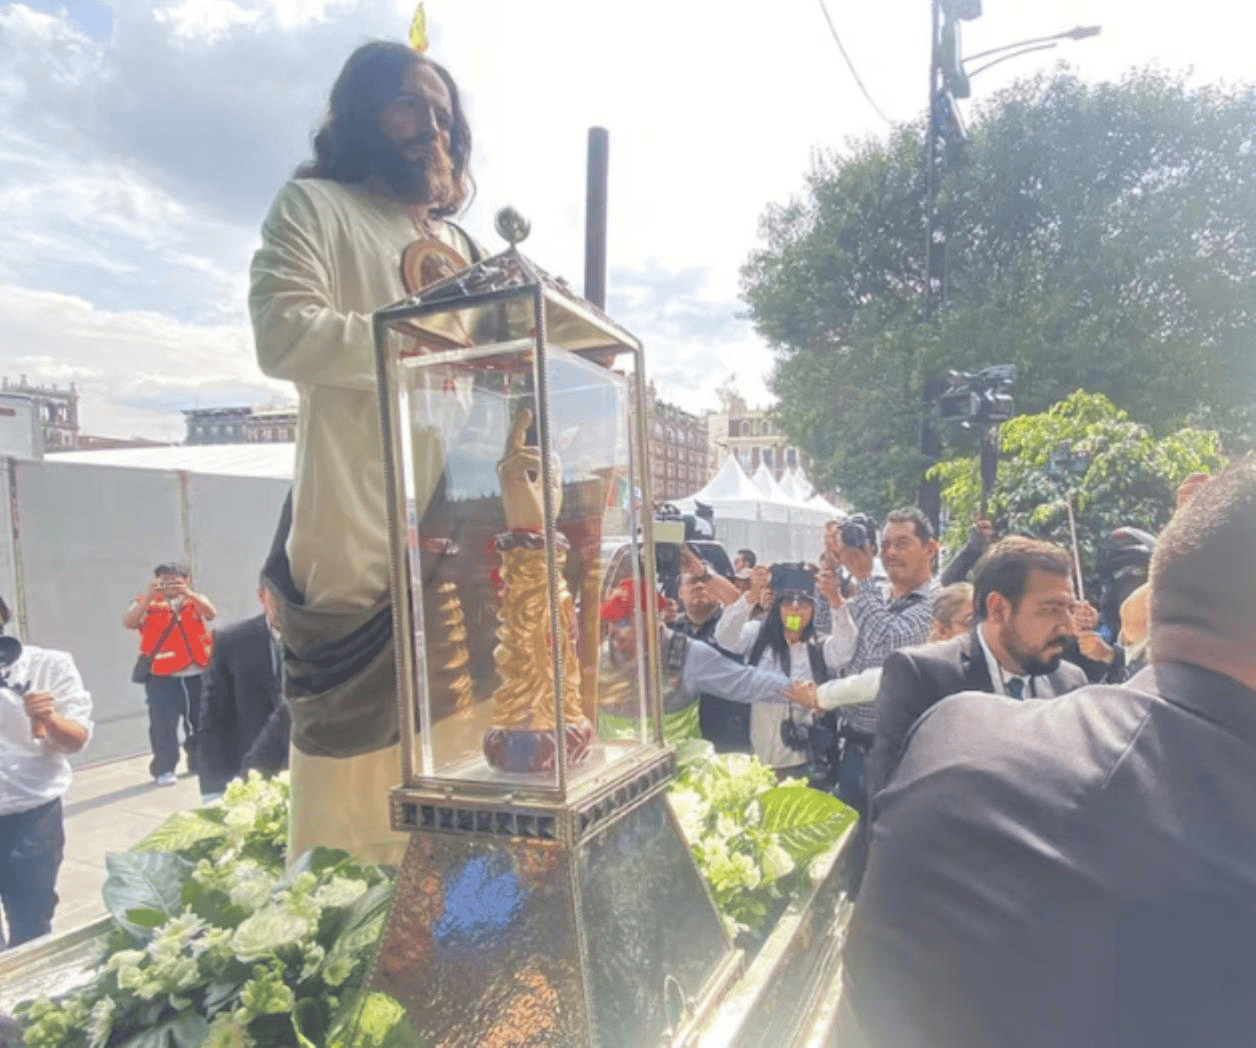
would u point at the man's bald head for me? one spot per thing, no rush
(1203, 575)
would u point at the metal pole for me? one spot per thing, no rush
(1077, 558)
(929, 496)
(989, 466)
(595, 217)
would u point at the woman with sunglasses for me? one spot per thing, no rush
(783, 641)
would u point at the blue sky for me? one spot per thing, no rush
(141, 143)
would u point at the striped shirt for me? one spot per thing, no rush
(884, 626)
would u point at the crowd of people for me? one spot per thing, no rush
(1057, 838)
(1052, 851)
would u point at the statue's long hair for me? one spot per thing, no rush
(371, 78)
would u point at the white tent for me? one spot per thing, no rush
(819, 502)
(228, 460)
(776, 527)
(733, 495)
(803, 487)
(772, 491)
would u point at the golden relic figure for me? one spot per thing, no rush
(522, 736)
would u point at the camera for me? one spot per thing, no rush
(981, 398)
(673, 529)
(859, 530)
(818, 740)
(10, 651)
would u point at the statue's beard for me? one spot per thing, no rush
(426, 180)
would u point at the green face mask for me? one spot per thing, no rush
(793, 623)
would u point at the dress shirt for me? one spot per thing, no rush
(34, 771)
(1038, 687)
(883, 625)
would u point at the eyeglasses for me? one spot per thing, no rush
(794, 597)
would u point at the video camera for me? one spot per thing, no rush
(980, 398)
(673, 529)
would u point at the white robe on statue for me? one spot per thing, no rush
(331, 256)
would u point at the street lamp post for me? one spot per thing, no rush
(949, 80)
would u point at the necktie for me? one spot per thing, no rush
(1015, 687)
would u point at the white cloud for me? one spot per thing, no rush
(134, 170)
(204, 21)
(135, 370)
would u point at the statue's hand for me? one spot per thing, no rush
(520, 474)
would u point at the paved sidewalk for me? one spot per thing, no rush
(108, 808)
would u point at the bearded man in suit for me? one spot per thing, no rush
(1023, 605)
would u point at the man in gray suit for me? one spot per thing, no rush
(1083, 871)
(1023, 606)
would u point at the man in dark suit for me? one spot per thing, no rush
(1022, 605)
(1082, 872)
(241, 693)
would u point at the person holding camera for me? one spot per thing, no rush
(175, 643)
(45, 715)
(784, 641)
(883, 619)
(691, 672)
(725, 723)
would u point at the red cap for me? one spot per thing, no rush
(619, 604)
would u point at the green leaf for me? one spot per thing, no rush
(692, 751)
(147, 918)
(181, 832)
(371, 1019)
(807, 821)
(186, 1030)
(307, 1023)
(143, 881)
(219, 995)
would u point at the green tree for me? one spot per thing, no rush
(1131, 478)
(1100, 236)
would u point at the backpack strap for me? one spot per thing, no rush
(819, 668)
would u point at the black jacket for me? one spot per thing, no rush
(1078, 872)
(913, 679)
(241, 692)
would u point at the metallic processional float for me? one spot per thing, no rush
(546, 881)
(547, 895)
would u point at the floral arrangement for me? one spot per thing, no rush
(216, 944)
(753, 839)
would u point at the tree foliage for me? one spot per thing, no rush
(1131, 479)
(1100, 236)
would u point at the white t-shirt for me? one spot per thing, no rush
(33, 771)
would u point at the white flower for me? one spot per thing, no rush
(339, 892)
(101, 1024)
